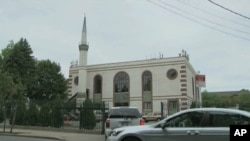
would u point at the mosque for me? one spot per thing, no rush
(141, 83)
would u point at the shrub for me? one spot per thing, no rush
(57, 114)
(45, 115)
(88, 119)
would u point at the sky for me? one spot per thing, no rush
(216, 38)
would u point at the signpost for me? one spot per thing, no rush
(200, 81)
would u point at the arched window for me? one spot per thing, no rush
(147, 92)
(97, 96)
(121, 82)
(98, 84)
(121, 89)
(147, 81)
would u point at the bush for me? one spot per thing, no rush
(57, 114)
(88, 119)
(45, 115)
(32, 115)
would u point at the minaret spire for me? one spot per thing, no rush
(84, 32)
(83, 47)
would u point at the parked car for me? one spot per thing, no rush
(152, 116)
(201, 124)
(122, 116)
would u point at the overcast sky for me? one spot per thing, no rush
(217, 40)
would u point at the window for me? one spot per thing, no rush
(98, 84)
(121, 89)
(147, 105)
(147, 81)
(172, 107)
(191, 119)
(223, 119)
(124, 113)
(121, 82)
(172, 74)
(147, 91)
(76, 80)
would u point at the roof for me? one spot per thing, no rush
(218, 110)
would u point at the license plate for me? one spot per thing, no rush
(124, 123)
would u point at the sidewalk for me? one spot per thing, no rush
(65, 136)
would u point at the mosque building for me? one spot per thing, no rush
(141, 83)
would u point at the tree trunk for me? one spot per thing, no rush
(13, 119)
(4, 117)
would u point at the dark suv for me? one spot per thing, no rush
(122, 116)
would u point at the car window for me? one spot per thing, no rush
(191, 119)
(124, 113)
(223, 119)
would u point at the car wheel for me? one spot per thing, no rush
(131, 139)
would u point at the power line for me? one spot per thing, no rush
(218, 24)
(211, 27)
(229, 9)
(209, 13)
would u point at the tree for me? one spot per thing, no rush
(19, 64)
(88, 119)
(49, 82)
(7, 86)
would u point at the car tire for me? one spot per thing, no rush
(131, 139)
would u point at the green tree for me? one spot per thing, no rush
(7, 85)
(19, 63)
(88, 119)
(49, 82)
(243, 100)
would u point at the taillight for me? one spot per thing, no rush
(141, 121)
(107, 123)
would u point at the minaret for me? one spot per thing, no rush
(83, 52)
(83, 47)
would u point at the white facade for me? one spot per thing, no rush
(168, 80)
(182, 88)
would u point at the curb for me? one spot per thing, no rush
(20, 134)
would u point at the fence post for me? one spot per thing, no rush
(103, 116)
(161, 110)
(80, 126)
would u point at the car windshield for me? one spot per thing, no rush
(124, 113)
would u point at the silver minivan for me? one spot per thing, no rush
(122, 116)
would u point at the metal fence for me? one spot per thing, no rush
(56, 115)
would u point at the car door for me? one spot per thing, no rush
(184, 127)
(217, 125)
